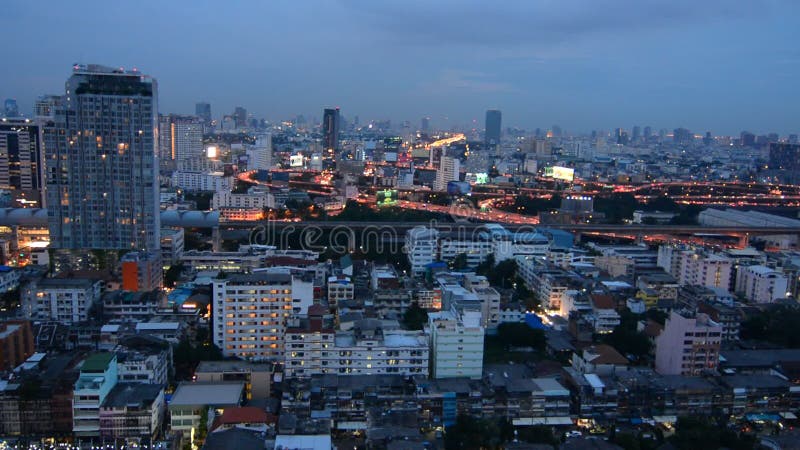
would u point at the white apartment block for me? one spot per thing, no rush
(456, 338)
(365, 350)
(689, 345)
(339, 289)
(761, 284)
(250, 314)
(421, 247)
(449, 168)
(64, 300)
(695, 267)
(196, 180)
(256, 200)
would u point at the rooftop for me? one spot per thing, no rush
(97, 362)
(216, 394)
(132, 395)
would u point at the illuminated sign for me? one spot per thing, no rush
(387, 197)
(478, 178)
(212, 151)
(296, 160)
(560, 173)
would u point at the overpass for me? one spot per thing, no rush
(37, 217)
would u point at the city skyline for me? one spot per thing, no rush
(582, 66)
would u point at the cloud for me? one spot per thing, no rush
(526, 23)
(453, 81)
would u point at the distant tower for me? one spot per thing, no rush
(449, 168)
(240, 117)
(102, 168)
(180, 138)
(330, 129)
(22, 161)
(425, 125)
(494, 120)
(11, 108)
(637, 133)
(203, 111)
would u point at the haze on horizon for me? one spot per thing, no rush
(718, 65)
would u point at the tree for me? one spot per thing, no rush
(172, 274)
(503, 274)
(459, 262)
(700, 432)
(469, 433)
(415, 317)
(537, 434)
(777, 325)
(520, 335)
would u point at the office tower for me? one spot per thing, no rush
(21, 161)
(330, 130)
(793, 139)
(494, 120)
(180, 138)
(240, 117)
(637, 133)
(43, 108)
(203, 111)
(689, 344)
(747, 139)
(785, 159)
(425, 124)
(10, 108)
(102, 169)
(557, 132)
(648, 132)
(448, 171)
(621, 136)
(260, 155)
(682, 136)
(708, 139)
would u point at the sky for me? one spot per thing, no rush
(708, 65)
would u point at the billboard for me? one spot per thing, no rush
(387, 197)
(458, 188)
(296, 160)
(560, 173)
(478, 178)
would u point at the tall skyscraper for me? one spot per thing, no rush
(648, 131)
(330, 129)
(425, 125)
(180, 138)
(449, 169)
(203, 111)
(102, 168)
(784, 158)
(637, 133)
(240, 117)
(494, 120)
(10, 108)
(259, 156)
(21, 158)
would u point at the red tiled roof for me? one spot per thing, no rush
(317, 310)
(607, 354)
(603, 301)
(243, 414)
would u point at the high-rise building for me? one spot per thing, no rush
(203, 111)
(180, 138)
(21, 161)
(648, 132)
(102, 168)
(44, 106)
(425, 124)
(785, 159)
(330, 130)
(251, 313)
(494, 119)
(259, 156)
(10, 108)
(449, 168)
(456, 343)
(240, 117)
(689, 344)
(682, 136)
(747, 139)
(637, 133)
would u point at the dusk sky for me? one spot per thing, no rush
(719, 65)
